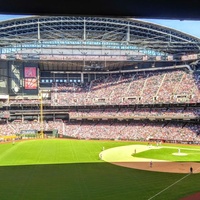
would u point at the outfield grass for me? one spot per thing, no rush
(71, 169)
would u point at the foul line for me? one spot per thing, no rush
(172, 185)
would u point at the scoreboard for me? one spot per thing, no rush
(30, 79)
(30, 83)
(30, 72)
(28, 132)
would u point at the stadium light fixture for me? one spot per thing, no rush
(16, 89)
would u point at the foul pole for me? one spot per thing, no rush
(41, 116)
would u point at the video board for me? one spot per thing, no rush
(30, 72)
(30, 83)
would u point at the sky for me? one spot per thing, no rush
(186, 26)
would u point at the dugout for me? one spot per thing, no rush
(51, 133)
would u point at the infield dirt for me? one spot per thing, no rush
(124, 156)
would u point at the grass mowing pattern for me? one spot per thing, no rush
(83, 176)
(53, 151)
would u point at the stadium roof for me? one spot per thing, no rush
(61, 32)
(160, 9)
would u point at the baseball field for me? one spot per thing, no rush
(84, 169)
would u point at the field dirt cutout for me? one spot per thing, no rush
(180, 154)
(124, 156)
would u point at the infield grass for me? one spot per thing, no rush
(71, 169)
(167, 154)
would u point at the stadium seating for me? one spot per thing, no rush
(171, 86)
(131, 113)
(137, 88)
(124, 130)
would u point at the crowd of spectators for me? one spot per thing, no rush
(169, 86)
(138, 112)
(4, 114)
(136, 88)
(15, 127)
(133, 131)
(118, 130)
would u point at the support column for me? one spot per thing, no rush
(38, 31)
(82, 77)
(84, 30)
(54, 80)
(41, 116)
(128, 34)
